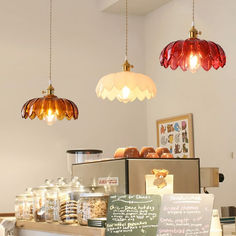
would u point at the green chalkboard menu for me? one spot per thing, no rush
(133, 215)
(185, 214)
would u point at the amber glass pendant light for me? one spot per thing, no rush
(192, 53)
(50, 108)
(126, 85)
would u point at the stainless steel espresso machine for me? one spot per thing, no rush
(127, 176)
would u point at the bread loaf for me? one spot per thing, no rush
(152, 155)
(167, 155)
(161, 150)
(145, 151)
(130, 152)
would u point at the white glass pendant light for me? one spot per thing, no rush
(126, 85)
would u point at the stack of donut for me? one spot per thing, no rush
(146, 152)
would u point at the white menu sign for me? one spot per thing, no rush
(185, 214)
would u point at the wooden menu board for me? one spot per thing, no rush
(185, 214)
(133, 215)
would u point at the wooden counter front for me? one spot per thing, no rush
(60, 229)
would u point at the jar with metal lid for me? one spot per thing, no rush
(92, 205)
(29, 202)
(52, 204)
(19, 206)
(39, 203)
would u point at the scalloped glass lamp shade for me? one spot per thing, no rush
(50, 108)
(192, 53)
(126, 86)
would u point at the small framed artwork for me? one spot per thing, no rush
(176, 133)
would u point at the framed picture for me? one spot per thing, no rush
(176, 133)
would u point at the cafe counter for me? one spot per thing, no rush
(24, 228)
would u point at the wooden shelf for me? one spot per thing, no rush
(61, 229)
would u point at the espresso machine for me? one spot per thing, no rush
(127, 175)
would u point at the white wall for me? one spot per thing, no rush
(87, 45)
(210, 96)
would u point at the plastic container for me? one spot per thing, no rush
(91, 206)
(80, 156)
(52, 204)
(19, 206)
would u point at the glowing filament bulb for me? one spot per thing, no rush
(194, 62)
(50, 117)
(125, 92)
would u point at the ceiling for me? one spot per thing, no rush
(136, 7)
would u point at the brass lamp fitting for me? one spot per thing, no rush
(49, 90)
(193, 33)
(127, 66)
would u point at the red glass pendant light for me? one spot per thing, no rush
(192, 53)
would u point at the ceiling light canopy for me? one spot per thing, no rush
(126, 86)
(192, 53)
(50, 108)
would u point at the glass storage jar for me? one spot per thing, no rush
(68, 199)
(82, 155)
(19, 206)
(28, 208)
(92, 205)
(39, 203)
(52, 204)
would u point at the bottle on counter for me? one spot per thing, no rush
(92, 206)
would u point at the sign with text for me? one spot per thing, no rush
(185, 214)
(133, 215)
(108, 181)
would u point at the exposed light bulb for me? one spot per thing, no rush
(50, 117)
(124, 95)
(194, 62)
(125, 92)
